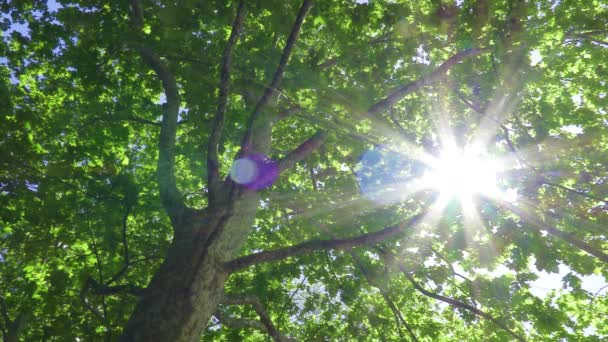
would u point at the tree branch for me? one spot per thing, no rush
(333, 61)
(373, 282)
(101, 289)
(261, 311)
(475, 107)
(125, 243)
(240, 322)
(472, 286)
(588, 36)
(448, 300)
(479, 110)
(108, 196)
(396, 312)
(224, 87)
(248, 144)
(118, 289)
(143, 121)
(302, 151)
(15, 327)
(170, 196)
(291, 296)
(459, 304)
(85, 302)
(315, 245)
(568, 237)
(435, 76)
(574, 191)
(104, 313)
(136, 119)
(125, 246)
(399, 315)
(288, 112)
(540, 174)
(406, 135)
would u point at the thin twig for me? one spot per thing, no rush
(219, 120)
(453, 302)
(270, 92)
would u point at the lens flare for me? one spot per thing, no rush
(254, 172)
(387, 176)
(243, 171)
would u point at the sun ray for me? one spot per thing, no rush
(321, 208)
(360, 203)
(471, 218)
(498, 112)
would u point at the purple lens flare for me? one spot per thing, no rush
(254, 172)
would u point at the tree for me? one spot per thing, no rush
(178, 171)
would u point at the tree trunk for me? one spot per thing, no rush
(187, 288)
(16, 327)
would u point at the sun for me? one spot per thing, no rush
(463, 173)
(467, 174)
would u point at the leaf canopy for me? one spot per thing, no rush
(79, 197)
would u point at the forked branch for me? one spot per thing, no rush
(270, 92)
(453, 302)
(459, 304)
(260, 310)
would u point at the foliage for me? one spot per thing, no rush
(83, 227)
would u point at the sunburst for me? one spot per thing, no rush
(463, 173)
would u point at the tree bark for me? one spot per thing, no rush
(171, 308)
(185, 291)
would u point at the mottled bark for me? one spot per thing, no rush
(185, 291)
